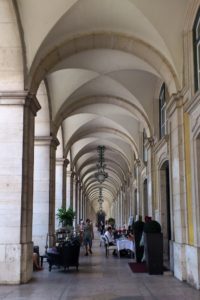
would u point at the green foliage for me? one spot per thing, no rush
(111, 221)
(152, 227)
(65, 217)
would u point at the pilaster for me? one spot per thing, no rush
(178, 192)
(41, 190)
(53, 147)
(16, 190)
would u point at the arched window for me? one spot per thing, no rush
(196, 45)
(162, 111)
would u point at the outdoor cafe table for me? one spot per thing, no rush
(125, 244)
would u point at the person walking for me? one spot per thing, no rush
(88, 236)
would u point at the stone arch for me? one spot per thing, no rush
(109, 40)
(92, 148)
(70, 107)
(118, 133)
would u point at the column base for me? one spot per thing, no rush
(187, 263)
(16, 263)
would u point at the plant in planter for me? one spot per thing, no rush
(65, 216)
(138, 227)
(153, 247)
(111, 222)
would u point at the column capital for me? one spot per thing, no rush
(54, 142)
(176, 101)
(73, 174)
(77, 181)
(32, 103)
(69, 173)
(149, 143)
(62, 161)
(138, 162)
(66, 162)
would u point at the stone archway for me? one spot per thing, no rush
(165, 209)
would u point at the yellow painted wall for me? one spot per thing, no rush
(188, 179)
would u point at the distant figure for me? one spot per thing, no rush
(88, 236)
(36, 266)
(102, 228)
(81, 230)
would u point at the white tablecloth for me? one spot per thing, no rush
(125, 244)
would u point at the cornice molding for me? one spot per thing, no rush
(43, 140)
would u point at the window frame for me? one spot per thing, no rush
(162, 111)
(196, 51)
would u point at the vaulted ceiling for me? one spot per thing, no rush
(104, 62)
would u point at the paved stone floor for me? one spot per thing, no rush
(99, 278)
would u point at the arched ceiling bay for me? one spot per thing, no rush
(148, 20)
(103, 62)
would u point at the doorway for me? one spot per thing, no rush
(165, 209)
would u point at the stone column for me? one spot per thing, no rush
(138, 175)
(83, 205)
(176, 145)
(118, 208)
(41, 191)
(77, 201)
(53, 146)
(121, 208)
(60, 200)
(72, 190)
(68, 187)
(64, 184)
(150, 163)
(80, 201)
(17, 114)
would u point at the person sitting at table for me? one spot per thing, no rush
(110, 236)
(130, 236)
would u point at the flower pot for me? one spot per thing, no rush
(153, 247)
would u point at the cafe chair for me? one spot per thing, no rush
(107, 246)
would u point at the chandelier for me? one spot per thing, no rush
(101, 175)
(100, 200)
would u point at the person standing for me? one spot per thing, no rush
(88, 236)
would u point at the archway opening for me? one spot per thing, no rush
(165, 209)
(101, 216)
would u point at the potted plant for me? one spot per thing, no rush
(65, 216)
(111, 222)
(153, 247)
